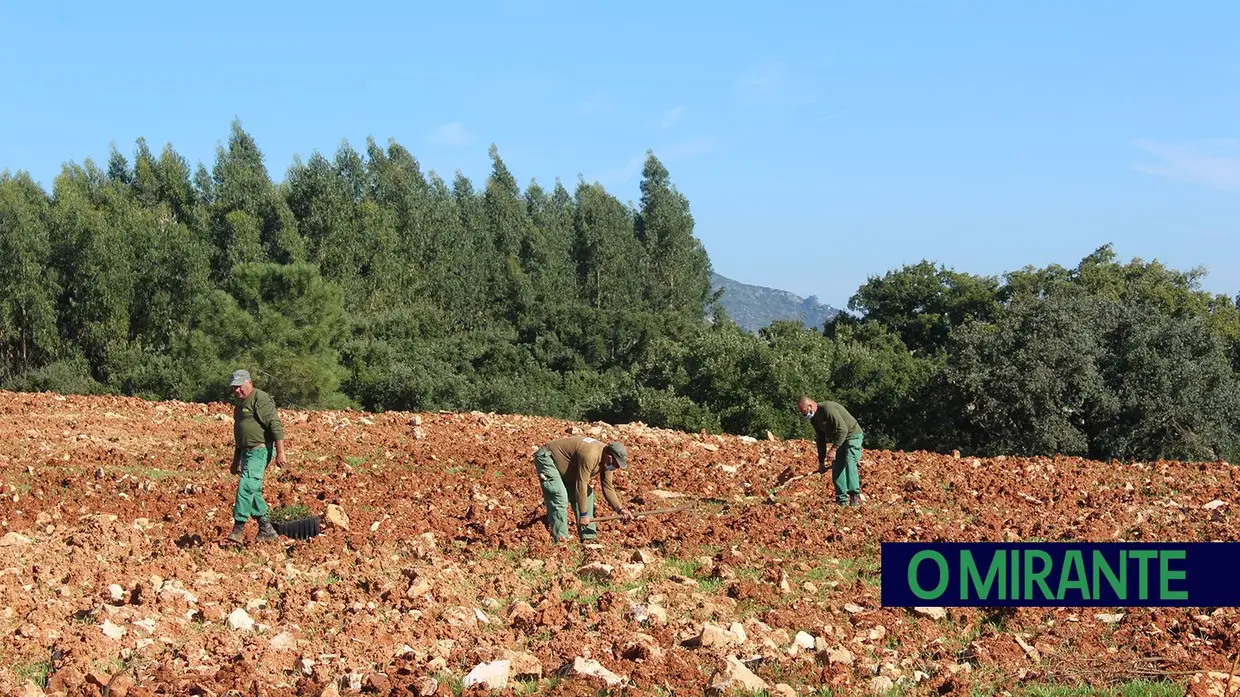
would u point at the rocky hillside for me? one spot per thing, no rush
(433, 573)
(755, 307)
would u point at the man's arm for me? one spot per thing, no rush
(822, 446)
(269, 417)
(582, 501)
(609, 492)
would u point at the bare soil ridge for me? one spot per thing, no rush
(111, 568)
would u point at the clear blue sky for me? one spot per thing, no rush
(818, 142)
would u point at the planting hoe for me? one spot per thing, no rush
(642, 514)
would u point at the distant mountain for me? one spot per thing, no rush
(755, 307)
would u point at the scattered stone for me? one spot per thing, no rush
(784, 690)
(1029, 650)
(240, 619)
(1214, 504)
(305, 666)
(881, 685)
(336, 517)
(116, 593)
(809, 587)
(1106, 618)
(737, 630)
(110, 630)
(13, 539)
(643, 556)
(934, 613)
(523, 666)
(32, 690)
(634, 571)
(841, 656)
(714, 636)
(853, 608)
(597, 571)
(804, 640)
(427, 687)
(735, 677)
(591, 670)
(1213, 684)
(283, 641)
(878, 633)
(420, 587)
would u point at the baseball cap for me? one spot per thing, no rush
(239, 377)
(619, 452)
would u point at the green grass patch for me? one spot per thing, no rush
(287, 513)
(34, 672)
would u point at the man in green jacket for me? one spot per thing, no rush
(833, 424)
(256, 429)
(565, 468)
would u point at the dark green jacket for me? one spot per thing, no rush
(833, 423)
(256, 422)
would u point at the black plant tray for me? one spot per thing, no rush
(301, 529)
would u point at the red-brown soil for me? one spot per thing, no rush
(439, 570)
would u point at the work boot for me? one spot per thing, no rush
(238, 532)
(854, 500)
(265, 530)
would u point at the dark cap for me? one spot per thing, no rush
(619, 452)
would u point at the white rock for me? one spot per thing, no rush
(588, 668)
(934, 613)
(598, 571)
(1214, 504)
(881, 685)
(14, 539)
(735, 677)
(1109, 618)
(110, 630)
(493, 675)
(336, 517)
(116, 593)
(804, 640)
(240, 619)
(283, 642)
(738, 630)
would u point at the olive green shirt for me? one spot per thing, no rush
(256, 422)
(832, 423)
(579, 460)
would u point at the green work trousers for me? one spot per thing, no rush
(250, 503)
(556, 499)
(844, 468)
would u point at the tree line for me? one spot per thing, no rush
(361, 281)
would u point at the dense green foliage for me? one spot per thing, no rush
(360, 281)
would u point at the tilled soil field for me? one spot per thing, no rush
(434, 572)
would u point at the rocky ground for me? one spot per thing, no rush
(434, 574)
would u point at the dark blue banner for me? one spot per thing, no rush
(1061, 574)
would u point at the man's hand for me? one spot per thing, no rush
(280, 459)
(627, 516)
(236, 467)
(584, 520)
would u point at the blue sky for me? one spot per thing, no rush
(819, 143)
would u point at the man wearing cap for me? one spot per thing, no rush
(568, 465)
(256, 428)
(835, 427)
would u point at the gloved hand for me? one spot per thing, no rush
(236, 467)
